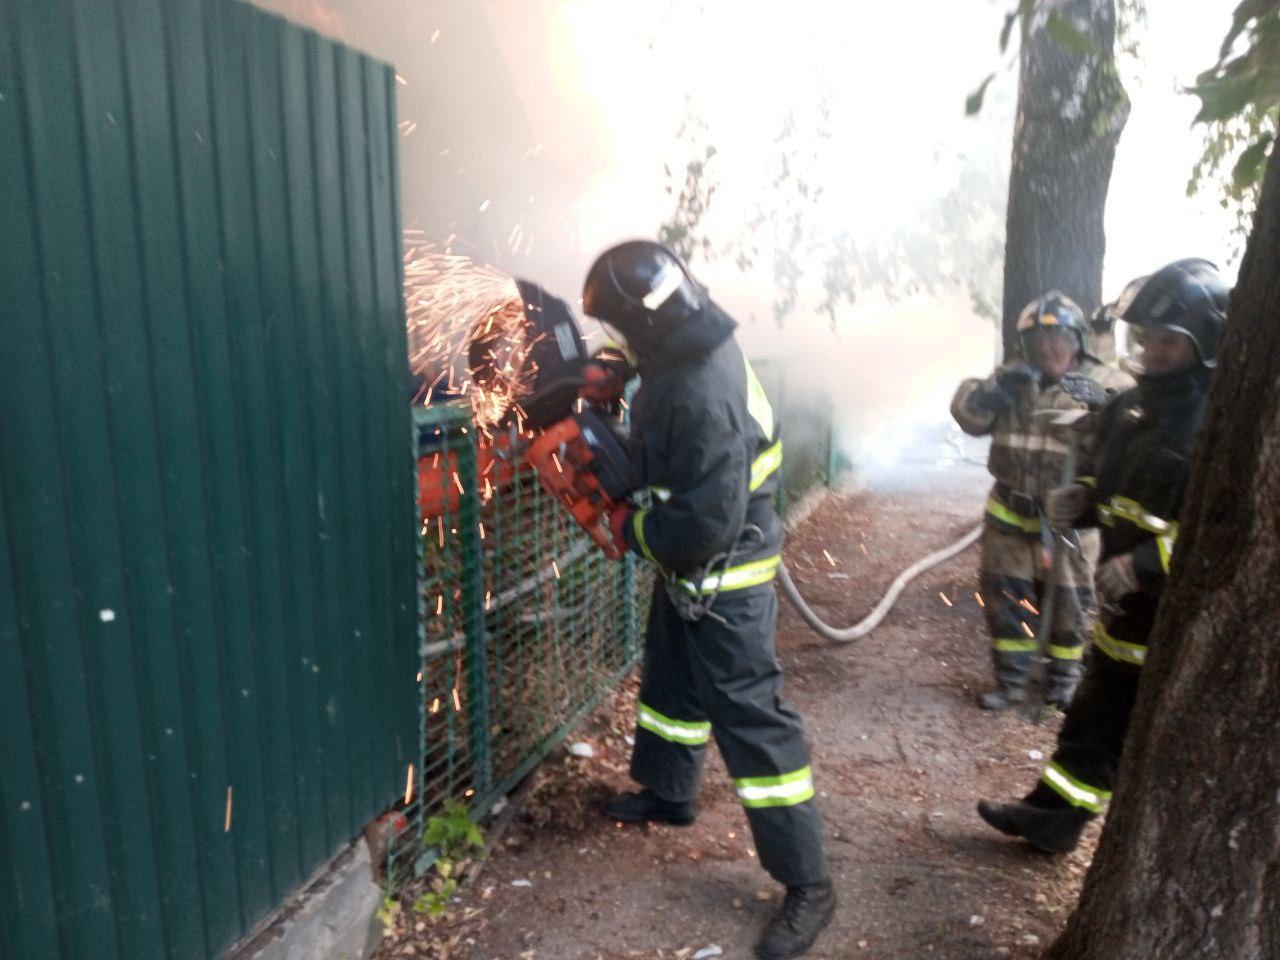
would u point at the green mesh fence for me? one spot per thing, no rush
(523, 623)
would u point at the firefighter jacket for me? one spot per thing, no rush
(706, 445)
(1143, 465)
(1029, 453)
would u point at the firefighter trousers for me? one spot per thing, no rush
(711, 679)
(1082, 771)
(1014, 580)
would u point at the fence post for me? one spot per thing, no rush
(472, 585)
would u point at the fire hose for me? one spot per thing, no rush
(871, 620)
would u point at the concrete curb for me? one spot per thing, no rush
(334, 917)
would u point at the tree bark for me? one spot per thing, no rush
(1189, 863)
(1071, 111)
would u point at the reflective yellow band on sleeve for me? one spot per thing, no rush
(1123, 508)
(765, 465)
(1065, 653)
(637, 527)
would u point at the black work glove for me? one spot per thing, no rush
(999, 392)
(1014, 378)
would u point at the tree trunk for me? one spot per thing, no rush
(1071, 110)
(1189, 864)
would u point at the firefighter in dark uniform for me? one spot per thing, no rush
(1015, 407)
(706, 446)
(1145, 437)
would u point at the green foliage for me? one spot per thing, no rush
(682, 232)
(451, 831)
(388, 907)
(1239, 105)
(973, 103)
(455, 839)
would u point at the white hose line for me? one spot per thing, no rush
(872, 620)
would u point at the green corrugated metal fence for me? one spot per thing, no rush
(207, 623)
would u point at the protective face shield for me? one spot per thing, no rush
(1179, 306)
(613, 337)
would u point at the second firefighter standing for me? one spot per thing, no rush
(1016, 407)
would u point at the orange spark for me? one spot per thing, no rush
(944, 598)
(457, 703)
(408, 786)
(226, 826)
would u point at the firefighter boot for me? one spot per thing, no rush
(1049, 829)
(1001, 698)
(1060, 692)
(805, 911)
(647, 807)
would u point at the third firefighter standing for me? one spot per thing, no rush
(1014, 406)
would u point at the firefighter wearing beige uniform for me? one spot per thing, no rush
(1015, 407)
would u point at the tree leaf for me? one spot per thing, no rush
(1067, 35)
(1248, 168)
(973, 103)
(1222, 98)
(1009, 21)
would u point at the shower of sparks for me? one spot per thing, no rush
(468, 332)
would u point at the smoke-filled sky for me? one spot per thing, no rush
(852, 195)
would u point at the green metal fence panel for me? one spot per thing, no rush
(207, 627)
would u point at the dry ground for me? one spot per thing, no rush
(901, 754)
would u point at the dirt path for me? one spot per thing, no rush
(900, 752)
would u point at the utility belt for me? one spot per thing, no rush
(693, 596)
(1014, 508)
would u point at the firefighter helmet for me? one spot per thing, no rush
(642, 290)
(1052, 311)
(1188, 296)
